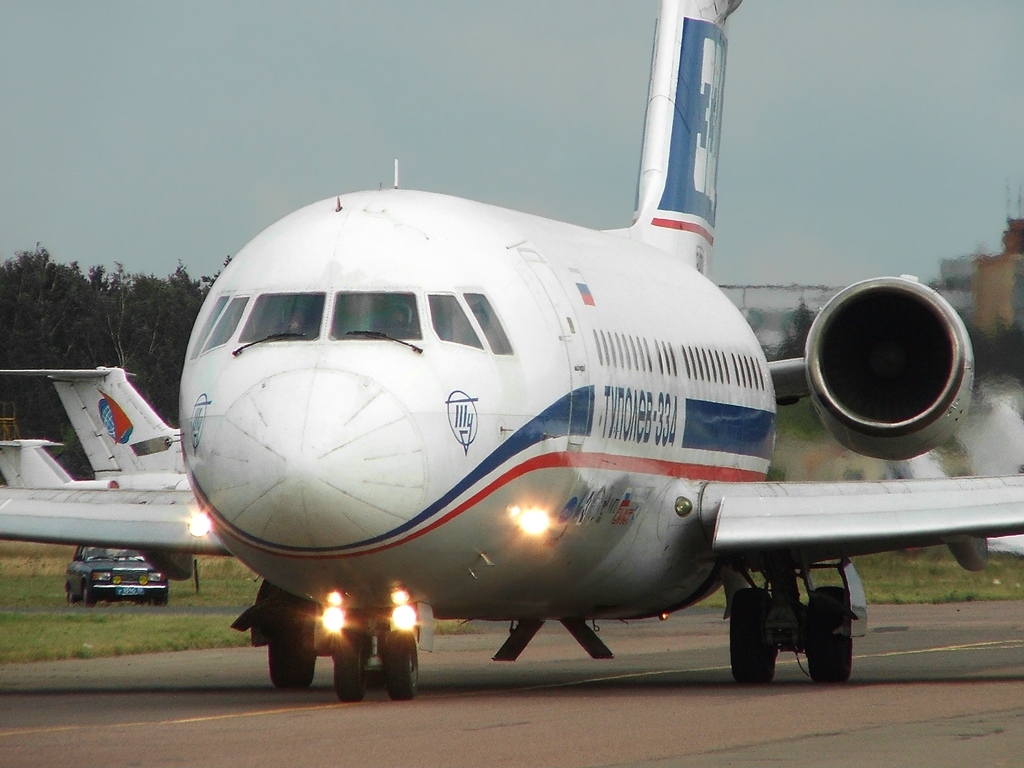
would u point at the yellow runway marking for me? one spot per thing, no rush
(176, 721)
(991, 645)
(981, 646)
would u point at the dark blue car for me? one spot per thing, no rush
(114, 575)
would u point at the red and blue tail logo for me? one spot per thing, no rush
(118, 425)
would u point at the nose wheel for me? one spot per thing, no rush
(401, 665)
(361, 660)
(350, 660)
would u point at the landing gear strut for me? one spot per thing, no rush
(765, 621)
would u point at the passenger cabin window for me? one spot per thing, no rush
(450, 322)
(218, 307)
(368, 314)
(295, 316)
(227, 324)
(489, 323)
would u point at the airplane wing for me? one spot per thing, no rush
(833, 520)
(134, 519)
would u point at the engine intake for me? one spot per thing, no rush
(890, 368)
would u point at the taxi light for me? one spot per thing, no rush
(334, 598)
(400, 597)
(200, 525)
(534, 521)
(514, 510)
(404, 617)
(333, 619)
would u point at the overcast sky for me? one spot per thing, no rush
(859, 138)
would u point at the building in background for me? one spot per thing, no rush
(987, 291)
(998, 284)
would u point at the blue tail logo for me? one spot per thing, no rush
(696, 126)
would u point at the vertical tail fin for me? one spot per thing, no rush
(676, 198)
(25, 464)
(119, 431)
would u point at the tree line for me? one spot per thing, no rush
(54, 315)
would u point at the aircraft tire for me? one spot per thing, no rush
(292, 661)
(829, 655)
(401, 665)
(87, 596)
(350, 667)
(752, 660)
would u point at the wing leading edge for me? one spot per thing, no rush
(835, 520)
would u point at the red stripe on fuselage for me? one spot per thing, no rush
(605, 461)
(685, 226)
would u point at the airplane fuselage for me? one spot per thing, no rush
(491, 482)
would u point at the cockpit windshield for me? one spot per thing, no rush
(284, 316)
(364, 314)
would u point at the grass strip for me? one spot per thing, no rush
(48, 637)
(33, 577)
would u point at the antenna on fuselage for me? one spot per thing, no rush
(396, 173)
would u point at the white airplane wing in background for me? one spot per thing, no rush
(134, 519)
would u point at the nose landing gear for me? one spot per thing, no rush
(367, 655)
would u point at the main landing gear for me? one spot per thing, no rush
(284, 623)
(765, 620)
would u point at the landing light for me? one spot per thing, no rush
(534, 521)
(200, 525)
(333, 619)
(400, 596)
(334, 598)
(404, 617)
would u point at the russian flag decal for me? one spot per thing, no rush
(588, 299)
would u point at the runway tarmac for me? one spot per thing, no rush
(932, 685)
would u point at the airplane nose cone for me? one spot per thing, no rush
(317, 459)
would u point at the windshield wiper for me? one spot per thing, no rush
(271, 337)
(385, 337)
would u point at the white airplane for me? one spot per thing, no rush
(127, 444)
(398, 406)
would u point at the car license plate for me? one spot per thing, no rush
(129, 591)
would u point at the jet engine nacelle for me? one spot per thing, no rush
(890, 368)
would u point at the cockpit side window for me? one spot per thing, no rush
(451, 322)
(218, 307)
(391, 314)
(489, 323)
(294, 316)
(225, 327)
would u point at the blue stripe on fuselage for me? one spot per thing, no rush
(728, 428)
